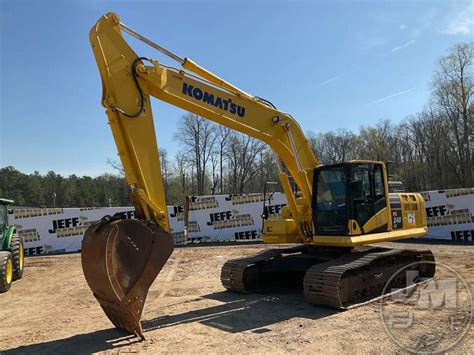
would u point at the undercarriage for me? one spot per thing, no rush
(331, 277)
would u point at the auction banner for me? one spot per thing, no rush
(218, 218)
(450, 214)
(58, 230)
(224, 217)
(211, 218)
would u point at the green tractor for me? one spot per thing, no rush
(11, 250)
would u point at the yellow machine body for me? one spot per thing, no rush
(407, 210)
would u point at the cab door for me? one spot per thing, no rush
(367, 198)
(330, 199)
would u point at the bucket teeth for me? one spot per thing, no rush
(120, 260)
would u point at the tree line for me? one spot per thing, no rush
(430, 150)
(54, 190)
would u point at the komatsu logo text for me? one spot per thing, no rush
(216, 101)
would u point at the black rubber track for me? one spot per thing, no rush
(359, 277)
(241, 275)
(343, 282)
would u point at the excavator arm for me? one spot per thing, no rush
(122, 258)
(127, 86)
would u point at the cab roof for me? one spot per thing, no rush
(5, 201)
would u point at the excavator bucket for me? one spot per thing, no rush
(120, 260)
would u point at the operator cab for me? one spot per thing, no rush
(347, 195)
(4, 215)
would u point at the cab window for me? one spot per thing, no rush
(378, 181)
(361, 193)
(3, 218)
(379, 190)
(361, 175)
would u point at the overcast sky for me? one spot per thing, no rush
(331, 64)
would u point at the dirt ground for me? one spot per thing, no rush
(51, 310)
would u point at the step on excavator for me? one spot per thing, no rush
(330, 223)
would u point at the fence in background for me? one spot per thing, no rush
(219, 218)
(450, 214)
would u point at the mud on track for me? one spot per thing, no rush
(52, 310)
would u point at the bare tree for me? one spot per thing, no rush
(333, 147)
(116, 165)
(215, 177)
(180, 169)
(242, 153)
(198, 136)
(340, 145)
(319, 147)
(267, 169)
(452, 92)
(223, 134)
(377, 142)
(165, 171)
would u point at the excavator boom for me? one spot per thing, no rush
(122, 258)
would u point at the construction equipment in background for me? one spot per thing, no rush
(11, 250)
(335, 212)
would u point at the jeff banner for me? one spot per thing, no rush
(450, 214)
(211, 218)
(219, 218)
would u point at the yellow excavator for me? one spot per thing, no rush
(332, 216)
